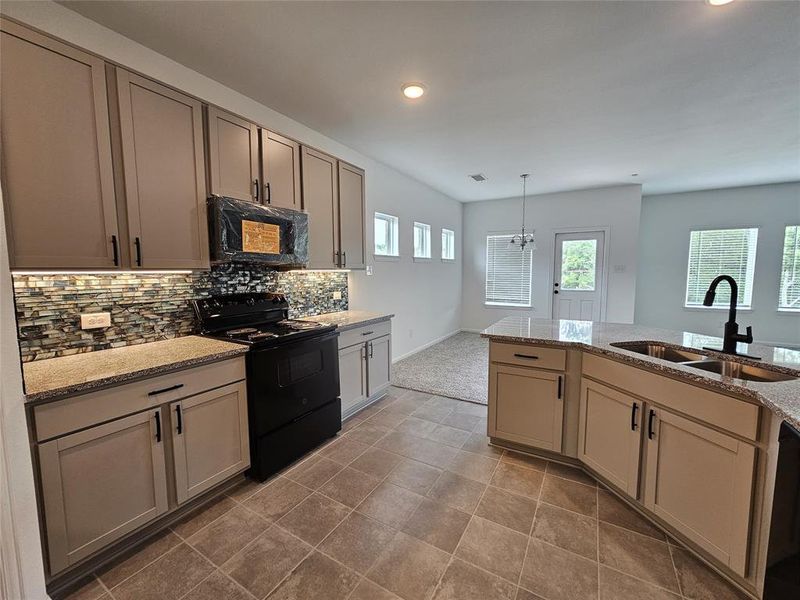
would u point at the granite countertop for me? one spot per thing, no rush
(56, 377)
(349, 319)
(782, 397)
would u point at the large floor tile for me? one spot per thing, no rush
(261, 565)
(168, 578)
(570, 495)
(511, 510)
(418, 427)
(478, 443)
(227, 535)
(437, 524)
(358, 541)
(493, 547)
(637, 555)
(566, 529)
(433, 413)
(314, 518)
(343, 451)
(519, 480)
(276, 499)
(376, 462)
(217, 587)
(469, 408)
(698, 582)
(409, 568)
(618, 586)
(571, 473)
(317, 577)
(414, 475)
(460, 420)
(390, 504)
(367, 590)
(613, 510)
(314, 472)
(388, 419)
(137, 559)
(558, 574)
(367, 432)
(525, 460)
(456, 491)
(473, 466)
(244, 490)
(350, 487)
(87, 588)
(196, 520)
(444, 434)
(463, 581)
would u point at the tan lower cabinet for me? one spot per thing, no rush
(353, 377)
(210, 439)
(379, 363)
(700, 481)
(610, 434)
(100, 484)
(365, 364)
(526, 406)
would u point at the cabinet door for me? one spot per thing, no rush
(320, 200)
(232, 156)
(352, 377)
(380, 364)
(280, 164)
(210, 439)
(701, 482)
(58, 184)
(610, 435)
(165, 190)
(351, 216)
(525, 406)
(100, 484)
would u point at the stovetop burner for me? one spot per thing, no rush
(298, 325)
(241, 331)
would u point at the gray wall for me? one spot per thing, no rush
(664, 251)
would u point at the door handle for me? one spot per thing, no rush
(115, 250)
(179, 417)
(158, 426)
(634, 410)
(528, 356)
(559, 387)
(138, 244)
(267, 193)
(650, 432)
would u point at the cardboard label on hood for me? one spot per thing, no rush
(261, 238)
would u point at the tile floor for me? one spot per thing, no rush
(411, 502)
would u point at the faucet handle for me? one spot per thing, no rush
(748, 338)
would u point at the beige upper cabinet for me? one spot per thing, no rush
(321, 199)
(100, 484)
(610, 434)
(280, 170)
(700, 481)
(233, 156)
(351, 216)
(164, 172)
(209, 439)
(58, 183)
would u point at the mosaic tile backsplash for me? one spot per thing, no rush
(146, 307)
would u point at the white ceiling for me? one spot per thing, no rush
(581, 94)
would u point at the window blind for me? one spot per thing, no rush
(721, 252)
(789, 298)
(508, 272)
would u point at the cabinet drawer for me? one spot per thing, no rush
(64, 416)
(528, 356)
(364, 334)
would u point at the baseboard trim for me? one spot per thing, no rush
(426, 346)
(472, 330)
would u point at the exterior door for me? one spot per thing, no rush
(58, 181)
(351, 216)
(165, 179)
(100, 484)
(233, 156)
(610, 435)
(700, 481)
(210, 439)
(321, 200)
(380, 364)
(353, 377)
(280, 164)
(578, 275)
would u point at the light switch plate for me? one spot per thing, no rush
(369, 270)
(95, 320)
(337, 295)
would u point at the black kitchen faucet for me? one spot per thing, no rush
(732, 335)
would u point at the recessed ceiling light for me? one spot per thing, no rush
(413, 90)
(718, 2)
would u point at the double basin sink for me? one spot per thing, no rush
(703, 362)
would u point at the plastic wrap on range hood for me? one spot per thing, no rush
(226, 216)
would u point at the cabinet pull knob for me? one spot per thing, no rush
(650, 432)
(256, 189)
(138, 244)
(115, 250)
(559, 387)
(528, 356)
(634, 410)
(177, 386)
(179, 417)
(158, 426)
(267, 193)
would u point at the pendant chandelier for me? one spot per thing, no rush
(523, 239)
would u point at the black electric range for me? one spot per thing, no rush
(292, 375)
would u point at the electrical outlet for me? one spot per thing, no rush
(95, 320)
(369, 270)
(337, 295)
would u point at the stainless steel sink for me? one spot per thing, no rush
(677, 355)
(740, 371)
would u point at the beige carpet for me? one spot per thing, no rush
(457, 367)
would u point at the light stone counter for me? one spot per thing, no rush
(349, 319)
(782, 397)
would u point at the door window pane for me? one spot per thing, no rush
(578, 265)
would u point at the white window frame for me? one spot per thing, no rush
(426, 249)
(523, 303)
(451, 245)
(746, 287)
(393, 235)
(795, 270)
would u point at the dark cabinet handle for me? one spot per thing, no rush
(555, 291)
(158, 425)
(528, 356)
(179, 417)
(368, 333)
(177, 386)
(344, 259)
(255, 185)
(634, 410)
(371, 350)
(267, 193)
(115, 250)
(559, 387)
(651, 418)
(138, 243)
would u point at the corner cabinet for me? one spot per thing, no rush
(365, 362)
